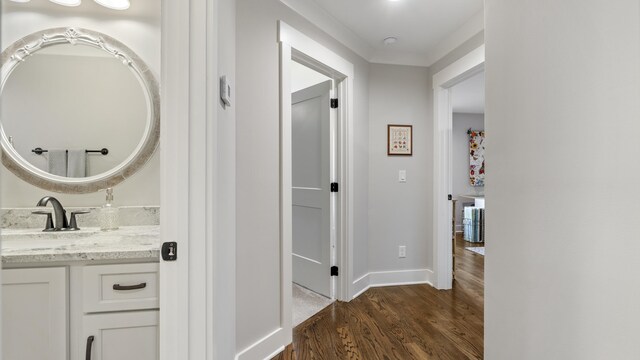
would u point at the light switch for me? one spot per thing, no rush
(402, 176)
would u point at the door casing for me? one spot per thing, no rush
(295, 46)
(469, 65)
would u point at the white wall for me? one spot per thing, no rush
(460, 160)
(302, 77)
(561, 273)
(224, 313)
(142, 35)
(74, 102)
(400, 213)
(257, 144)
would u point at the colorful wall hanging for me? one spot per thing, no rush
(476, 157)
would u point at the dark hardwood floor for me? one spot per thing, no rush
(401, 322)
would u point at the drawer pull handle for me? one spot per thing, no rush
(89, 345)
(129, 287)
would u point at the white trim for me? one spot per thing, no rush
(305, 45)
(460, 70)
(360, 285)
(286, 198)
(270, 344)
(392, 278)
(400, 277)
(187, 158)
(296, 45)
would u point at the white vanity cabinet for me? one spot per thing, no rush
(119, 312)
(34, 314)
(81, 312)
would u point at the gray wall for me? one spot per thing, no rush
(224, 251)
(142, 35)
(257, 144)
(460, 160)
(400, 213)
(561, 273)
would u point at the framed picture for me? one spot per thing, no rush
(400, 140)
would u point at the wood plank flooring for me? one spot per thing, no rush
(401, 322)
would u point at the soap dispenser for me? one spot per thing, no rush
(109, 214)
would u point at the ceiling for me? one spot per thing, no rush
(422, 27)
(468, 96)
(138, 8)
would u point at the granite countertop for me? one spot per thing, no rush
(35, 246)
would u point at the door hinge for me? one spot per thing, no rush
(334, 103)
(334, 187)
(334, 271)
(450, 197)
(169, 251)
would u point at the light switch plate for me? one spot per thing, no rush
(402, 176)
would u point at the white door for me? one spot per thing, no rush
(311, 116)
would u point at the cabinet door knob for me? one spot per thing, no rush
(89, 345)
(129, 287)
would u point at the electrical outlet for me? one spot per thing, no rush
(402, 251)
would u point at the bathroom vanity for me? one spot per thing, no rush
(91, 120)
(80, 295)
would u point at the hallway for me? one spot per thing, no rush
(402, 322)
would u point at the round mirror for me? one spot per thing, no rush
(79, 110)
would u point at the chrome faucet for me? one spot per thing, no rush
(60, 213)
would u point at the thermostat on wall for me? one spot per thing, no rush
(225, 91)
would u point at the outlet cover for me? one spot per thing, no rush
(402, 251)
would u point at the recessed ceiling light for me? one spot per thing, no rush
(67, 2)
(390, 40)
(21, 1)
(114, 4)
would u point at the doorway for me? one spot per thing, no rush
(297, 49)
(468, 174)
(443, 226)
(313, 171)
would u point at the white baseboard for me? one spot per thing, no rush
(359, 286)
(392, 278)
(401, 277)
(266, 348)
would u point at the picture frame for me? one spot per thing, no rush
(399, 140)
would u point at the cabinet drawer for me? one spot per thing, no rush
(120, 287)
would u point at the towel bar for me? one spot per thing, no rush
(103, 151)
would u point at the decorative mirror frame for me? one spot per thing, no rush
(19, 51)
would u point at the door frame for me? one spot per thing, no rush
(197, 194)
(295, 46)
(464, 68)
